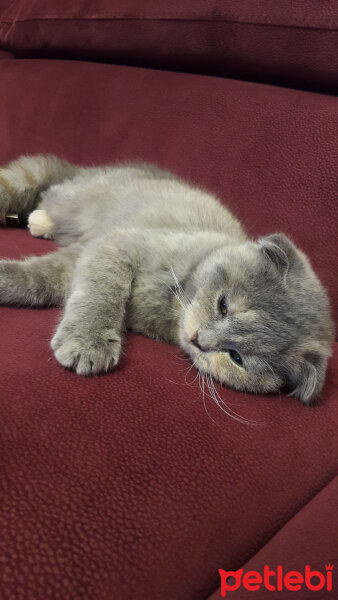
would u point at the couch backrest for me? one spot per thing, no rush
(281, 42)
(269, 153)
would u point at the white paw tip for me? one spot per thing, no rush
(39, 224)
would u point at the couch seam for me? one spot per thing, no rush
(9, 23)
(280, 529)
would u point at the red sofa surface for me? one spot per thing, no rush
(286, 43)
(305, 540)
(123, 485)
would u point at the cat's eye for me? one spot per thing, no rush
(223, 307)
(236, 358)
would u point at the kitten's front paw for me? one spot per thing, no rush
(89, 354)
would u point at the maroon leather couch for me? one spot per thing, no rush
(126, 485)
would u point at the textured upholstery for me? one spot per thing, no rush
(306, 540)
(124, 486)
(288, 43)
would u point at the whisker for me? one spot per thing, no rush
(187, 373)
(203, 398)
(225, 408)
(179, 289)
(178, 285)
(210, 396)
(221, 403)
(179, 300)
(202, 388)
(177, 383)
(175, 355)
(186, 383)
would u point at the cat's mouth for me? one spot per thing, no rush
(197, 353)
(190, 348)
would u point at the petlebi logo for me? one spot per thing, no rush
(276, 579)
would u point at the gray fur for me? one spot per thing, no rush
(146, 251)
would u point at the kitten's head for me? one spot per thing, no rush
(258, 319)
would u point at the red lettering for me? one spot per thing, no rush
(225, 586)
(308, 576)
(293, 580)
(252, 580)
(267, 574)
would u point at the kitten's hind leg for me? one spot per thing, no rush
(40, 280)
(23, 180)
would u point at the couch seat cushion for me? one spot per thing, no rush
(125, 485)
(305, 540)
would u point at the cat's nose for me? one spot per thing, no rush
(194, 340)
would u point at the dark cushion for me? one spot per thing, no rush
(278, 42)
(126, 485)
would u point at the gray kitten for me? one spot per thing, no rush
(146, 251)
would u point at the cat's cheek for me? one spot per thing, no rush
(223, 371)
(226, 373)
(190, 322)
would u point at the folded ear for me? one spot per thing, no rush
(307, 382)
(280, 251)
